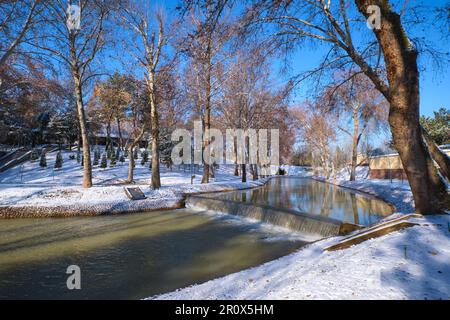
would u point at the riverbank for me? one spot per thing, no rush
(37, 201)
(30, 191)
(407, 264)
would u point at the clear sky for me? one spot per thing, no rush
(434, 85)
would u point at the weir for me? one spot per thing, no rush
(290, 219)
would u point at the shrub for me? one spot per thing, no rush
(59, 160)
(281, 172)
(113, 159)
(43, 160)
(96, 157)
(144, 156)
(104, 162)
(34, 155)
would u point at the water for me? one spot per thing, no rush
(139, 255)
(313, 198)
(129, 256)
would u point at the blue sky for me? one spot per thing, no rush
(434, 85)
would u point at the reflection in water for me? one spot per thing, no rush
(313, 197)
(129, 256)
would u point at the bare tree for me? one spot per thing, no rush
(203, 45)
(139, 123)
(318, 132)
(138, 17)
(249, 100)
(18, 18)
(388, 59)
(75, 46)
(358, 100)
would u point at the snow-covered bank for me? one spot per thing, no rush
(30, 191)
(396, 192)
(408, 264)
(76, 201)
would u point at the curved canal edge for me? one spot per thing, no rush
(400, 199)
(177, 201)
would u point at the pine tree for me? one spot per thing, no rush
(96, 157)
(59, 160)
(122, 158)
(43, 160)
(118, 153)
(144, 156)
(78, 156)
(104, 162)
(113, 158)
(108, 153)
(34, 156)
(135, 154)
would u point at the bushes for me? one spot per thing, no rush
(112, 163)
(96, 157)
(104, 162)
(34, 155)
(59, 160)
(281, 172)
(43, 160)
(144, 157)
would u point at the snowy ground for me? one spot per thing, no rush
(413, 263)
(409, 264)
(31, 185)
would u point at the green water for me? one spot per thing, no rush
(129, 256)
(313, 198)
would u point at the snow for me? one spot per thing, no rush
(408, 264)
(30, 185)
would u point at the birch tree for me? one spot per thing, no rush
(146, 46)
(73, 36)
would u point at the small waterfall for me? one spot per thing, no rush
(296, 221)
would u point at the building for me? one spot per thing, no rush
(389, 166)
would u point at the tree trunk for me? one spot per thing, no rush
(130, 178)
(236, 166)
(156, 179)
(400, 57)
(108, 136)
(120, 134)
(87, 167)
(354, 144)
(440, 157)
(244, 173)
(255, 172)
(205, 177)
